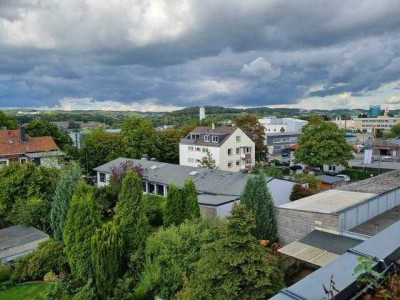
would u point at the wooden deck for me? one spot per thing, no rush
(378, 223)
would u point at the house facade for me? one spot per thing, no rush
(229, 146)
(278, 141)
(17, 146)
(217, 190)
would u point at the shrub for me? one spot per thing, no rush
(50, 277)
(5, 272)
(299, 192)
(48, 257)
(153, 206)
(355, 174)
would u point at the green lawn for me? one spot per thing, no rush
(26, 291)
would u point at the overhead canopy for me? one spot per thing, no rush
(319, 248)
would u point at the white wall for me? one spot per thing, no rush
(185, 154)
(101, 184)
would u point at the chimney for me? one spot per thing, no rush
(212, 126)
(22, 134)
(202, 113)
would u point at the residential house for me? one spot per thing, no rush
(217, 190)
(16, 145)
(229, 146)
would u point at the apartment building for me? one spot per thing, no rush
(229, 146)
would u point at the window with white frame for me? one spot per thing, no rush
(3, 162)
(204, 150)
(207, 138)
(238, 139)
(215, 139)
(247, 149)
(190, 148)
(102, 177)
(248, 161)
(230, 151)
(23, 160)
(230, 164)
(237, 150)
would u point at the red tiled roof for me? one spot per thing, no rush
(11, 145)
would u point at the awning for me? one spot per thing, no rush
(319, 247)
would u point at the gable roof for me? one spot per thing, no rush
(214, 182)
(10, 143)
(224, 132)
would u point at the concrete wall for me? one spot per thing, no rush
(293, 225)
(280, 190)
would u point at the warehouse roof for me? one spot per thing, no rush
(331, 201)
(18, 240)
(377, 184)
(384, 246)
(208, 181)
(319, 247)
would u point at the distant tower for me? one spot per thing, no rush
(202, 113)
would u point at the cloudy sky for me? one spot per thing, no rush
(160, 55)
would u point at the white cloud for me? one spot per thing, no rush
(151, 105)
(262, 69)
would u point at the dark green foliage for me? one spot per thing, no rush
(258, 201)
(356, 174)
(173, 214)
(48, 257)
(235, 266)
(105, 198)
(191, 208)
(299, 192)
(69, 178)
(322, 143)
(139, 138)
(87, 292)
(25, 181)
(33, 212)
(5, 272)
(7, 121)
(39, 127)
(153, 206)
(107, 252)
(129, 216)
(80, 224)
(170, 253)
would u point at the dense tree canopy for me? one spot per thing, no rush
(322, 143)
(191, 209)
(7, 121)
(251, 126)
(234, 266)
(139, 138)
(174, 208)
(38, 127)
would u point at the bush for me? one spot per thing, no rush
(50, 277)
(48, 257)
(153, 206)
(299, 192)
(356, 174)
(5, 272)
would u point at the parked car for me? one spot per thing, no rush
(296, 168)
(344, 176)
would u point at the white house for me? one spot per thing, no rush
(273, 124)
(229, 146)
(217, 190)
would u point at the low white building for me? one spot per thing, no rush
(229, 146)
(217, 190)
(273, 124)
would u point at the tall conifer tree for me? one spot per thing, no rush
(65, 188)
(190, 201)
(80, 224)
(174, 209)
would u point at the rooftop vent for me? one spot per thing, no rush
(193, 173)
(154, 167)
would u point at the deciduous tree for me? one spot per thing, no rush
(322, 143)
(38, 127)
(7, 121)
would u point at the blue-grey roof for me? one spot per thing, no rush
(329, 179)
(385, 245)
(215, 200)
(207, 181)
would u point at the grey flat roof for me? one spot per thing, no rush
(329, 179)
(385, 245)
(13, 240)
(377, 184)
(319, 247)
(270, 134)
(329, 202)
(207, 181)
(215, 200)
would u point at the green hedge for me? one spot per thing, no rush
(356, 174)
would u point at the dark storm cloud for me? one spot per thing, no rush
(195, 52)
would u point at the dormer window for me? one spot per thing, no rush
(207, 138)
(215, 139)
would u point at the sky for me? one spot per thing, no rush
(154, 55)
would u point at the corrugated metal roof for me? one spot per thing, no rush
(385, 246)
(208, 181)
(331, 201)
(377, 184)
